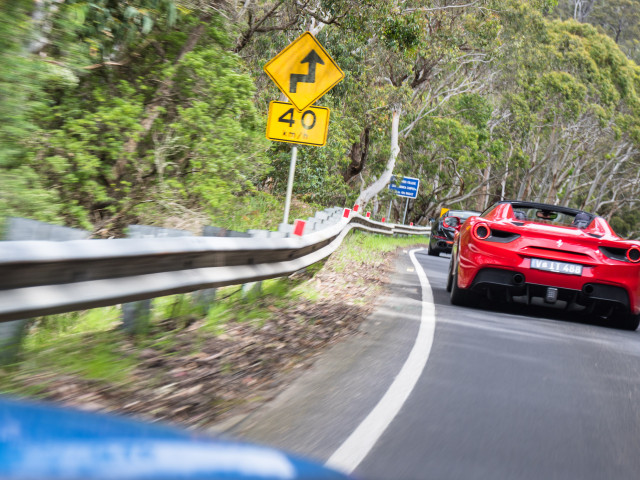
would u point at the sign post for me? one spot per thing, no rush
(304, 72)
(408, 188)
(406, 206)
(292, 171)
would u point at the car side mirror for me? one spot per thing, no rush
(452, 222)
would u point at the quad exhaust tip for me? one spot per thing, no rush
(518, 279)
(588, 289)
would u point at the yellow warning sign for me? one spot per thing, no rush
(288, 124)
(304, 71)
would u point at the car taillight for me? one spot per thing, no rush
(633, 254)
(481, 231)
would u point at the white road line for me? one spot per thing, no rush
(355, 448)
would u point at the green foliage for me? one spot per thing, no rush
(402, 33)
(205, 147)
(21, 78)
(23, 193)
(81, 150)
(260, 210)
(126, 111)
(80, 343)
(218, 130)
(619, 19)
(60, 328)
(474, 108)
(105, 26)
(626, 224)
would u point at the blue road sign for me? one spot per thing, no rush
(408, 187)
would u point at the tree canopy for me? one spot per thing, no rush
(117, 111)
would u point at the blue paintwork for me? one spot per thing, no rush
(44, 442)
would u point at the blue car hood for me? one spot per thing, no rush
(43, 442)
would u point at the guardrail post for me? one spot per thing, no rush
(136, 315)
(12, 333)
(206, 297)
(11, 336)
(253, 288)
(203, 299)
(285, 228)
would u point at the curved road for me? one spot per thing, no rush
(505, 393)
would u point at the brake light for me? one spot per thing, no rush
(633, 254)
(481, 231)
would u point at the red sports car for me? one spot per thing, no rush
(544, 254)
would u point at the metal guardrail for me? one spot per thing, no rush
(45, 277)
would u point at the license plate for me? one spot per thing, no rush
(557, 267)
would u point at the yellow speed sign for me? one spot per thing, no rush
(288, 124)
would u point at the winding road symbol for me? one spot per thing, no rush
(312, 59)
(296, 73)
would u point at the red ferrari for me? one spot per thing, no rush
(542, 254)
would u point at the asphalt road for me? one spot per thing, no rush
(505, 393)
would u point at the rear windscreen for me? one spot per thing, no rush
(551, 217)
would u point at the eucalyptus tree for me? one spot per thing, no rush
(620, 19)
(423, 54)
(572, 109)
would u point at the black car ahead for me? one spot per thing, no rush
(443, 229)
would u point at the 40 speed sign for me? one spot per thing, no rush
(288, 124)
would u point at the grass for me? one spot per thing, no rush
(370, 249)
(263, 212)
(91, 356)
(65, 326)
(88, 344)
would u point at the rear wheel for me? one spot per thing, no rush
(450, 276)
(627, 321)
(433, 251)
(462, 297)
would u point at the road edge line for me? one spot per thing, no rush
(356, 447)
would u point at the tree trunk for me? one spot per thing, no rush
(525, 186)
(483, 199)
(503, 183)
(377, 186)
(359, 153)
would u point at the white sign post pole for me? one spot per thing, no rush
(292, 171)
(406, 205)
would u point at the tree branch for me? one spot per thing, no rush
(436, 9)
